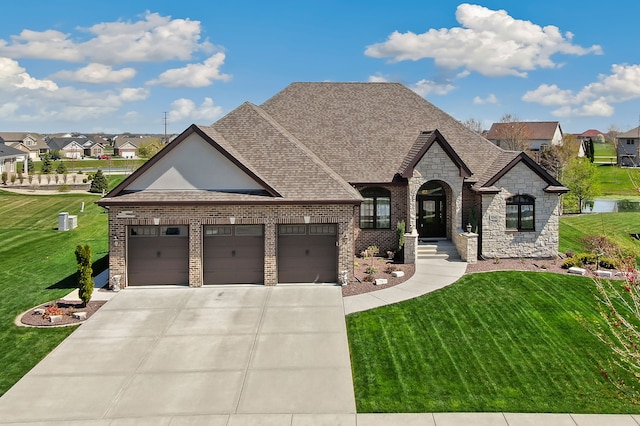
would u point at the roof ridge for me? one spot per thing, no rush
(280, 128)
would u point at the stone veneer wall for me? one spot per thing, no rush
(436, 165)
(497, 241)
(196, 216)
(385, 239)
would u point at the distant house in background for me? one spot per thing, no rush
(93, 148)
(628, 144)
(537, 134)
(68, 147)
(9, 159)
(31, 143)
(126, 147)
(593, 134)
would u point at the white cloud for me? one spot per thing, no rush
(13, 76)
(186, 109)
(377, 79)
(428, 87)
(27, 99)
(489, 42)
(491, 99)
(194, 75)
(595, 99)
(97, 74)
(154, 38)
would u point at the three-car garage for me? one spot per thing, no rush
(232, 254)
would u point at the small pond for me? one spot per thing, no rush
(609, 206)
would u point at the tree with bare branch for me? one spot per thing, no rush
(512, 134)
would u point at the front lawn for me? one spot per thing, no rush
(37, 264)
(500, 341)
(618, 181)
(616, 226)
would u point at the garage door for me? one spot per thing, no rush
(307, 253)
(233, 254)
(158, 255)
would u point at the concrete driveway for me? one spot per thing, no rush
(196, 356)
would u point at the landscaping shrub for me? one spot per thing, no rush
(62, 168)
(371, 270)
(587, 258)
(608, 263)
(570, 262)
(4, 178)
(85, 282)
(368, 278)
(569, 253)
(390, 268)
(601, 244)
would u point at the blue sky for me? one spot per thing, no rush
(120, 65)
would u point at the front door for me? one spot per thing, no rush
(431, 211)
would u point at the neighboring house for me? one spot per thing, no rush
(31, 143)
(127, 147)
(68, 147)
(629, 148)
(537, 134)
(9, 159)
(593, 134)
(291, 190)
(92, 148)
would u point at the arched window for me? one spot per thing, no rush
(375, 210)
(521, 213)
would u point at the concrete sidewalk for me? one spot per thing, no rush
(430, 275)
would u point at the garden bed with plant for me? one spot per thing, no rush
(369, 267)
(60, 313)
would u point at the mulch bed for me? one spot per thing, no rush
(67, 308)
(383, 268)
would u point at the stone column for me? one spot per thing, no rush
(410, 247)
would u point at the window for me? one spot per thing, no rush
(631, 142)
(521, 213)
(375, 210)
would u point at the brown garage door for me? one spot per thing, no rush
(307, 253)
(158, 255)
(233, 254)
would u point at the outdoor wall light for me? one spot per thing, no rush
(307, 219)
(156, 221)
(232, 220)
(115, 240)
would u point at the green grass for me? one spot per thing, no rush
(76, 165)
(617, 181)
(37, 264)
(604, 149)
(616, 226)
(501, 341)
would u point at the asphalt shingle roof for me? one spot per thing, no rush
(537, 130)
(364, 131)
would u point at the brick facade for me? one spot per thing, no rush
(385, 239)
(497, 241)
(196, 216)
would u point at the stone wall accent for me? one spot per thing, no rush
(436, 165)
(497, 241)
(196, 216)
(385, 239)
(467, 245)
(410, 247)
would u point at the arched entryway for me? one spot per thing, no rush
(431, 210)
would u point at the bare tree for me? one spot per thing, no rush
(473, 125)
(512, 133)
(612, 136)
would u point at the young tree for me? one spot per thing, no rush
(580, 176)
(30, 166)
(85, 282)
(99, 182)
(612, 135)
(62, 168)
(47, 165)
(619, 304)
